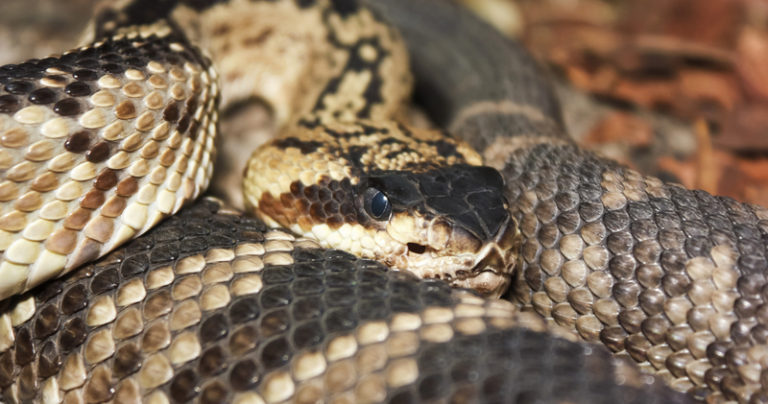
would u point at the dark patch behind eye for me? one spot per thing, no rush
(399, 189)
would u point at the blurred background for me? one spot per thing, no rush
(673, 88)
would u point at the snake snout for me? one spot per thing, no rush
(494, 261)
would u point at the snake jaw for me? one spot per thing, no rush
(458, 257)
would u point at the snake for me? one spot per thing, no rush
(103, 142)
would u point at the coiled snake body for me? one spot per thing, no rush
(104, 141)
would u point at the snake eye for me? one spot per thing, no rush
(376, 204)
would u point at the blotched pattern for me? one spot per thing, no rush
(98, 145)
(673, 278)
(212, 307)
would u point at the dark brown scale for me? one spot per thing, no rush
(652, 301)
(93, 199)
(569, 222)
(112, 68)
(183, 386)
(194, 129)
(78, 142)
(677, 339)
(274, 323)
(190, 106)
(49, 361)
(25, 349)
(751, 285)
(760, 334)
(676, 363)
(316, 212)
(546, 211)
(647, 252)
(613, 338)
(136, 62)
(73, 334)
(275, 296)
(275, 354)
(213, 328)
(28, 384)
(171, 113)
(631, 319)
(42, 96)
(19, 87)
(49, 291)
(127, 360)
(627, 293)
(7, 368)
(637, 346)
(183, 124)
(213, 393)
(47, 321)
(105, 281)
(98, 153)
(85, 75)
(311, 192)
(622, 266)
(134, 265)
(740, 331)
(106, 179)
(745, 307)
(243, 340)
(655, 329)
(244, 375)
(211, 361)
(98, 388)
(125, 110)
(347, 209)
(74, 299)
(77, 89)
(67, 107)
(127, 187)
(549, 235)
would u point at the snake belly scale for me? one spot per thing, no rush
(104, 141)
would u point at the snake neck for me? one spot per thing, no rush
(320, 60)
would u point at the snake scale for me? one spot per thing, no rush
(102, 142)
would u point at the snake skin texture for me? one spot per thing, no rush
(213, 307)
(673, 278)
(98, 145)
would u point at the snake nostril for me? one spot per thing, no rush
(416, 248)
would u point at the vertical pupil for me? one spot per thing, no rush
(379, 204)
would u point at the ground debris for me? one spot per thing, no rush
(703, 63)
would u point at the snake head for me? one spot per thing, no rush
(450, 223)
(415, 200)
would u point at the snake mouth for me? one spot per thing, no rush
(487, 270)
(491, 275)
